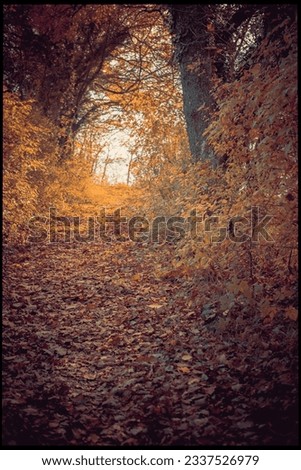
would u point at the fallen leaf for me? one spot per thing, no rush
(244, 425)
(194, 380)
(200, 422)
(94, 438)
(236, 387)
(185, 369)
(60, 351)
(210, 390)
(53, 424)
(89, 376)
(137, 430)
(291, 313)
(186, 357)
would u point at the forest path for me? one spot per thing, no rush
(101, 349)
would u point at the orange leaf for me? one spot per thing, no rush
(291, 313)
(185, 370)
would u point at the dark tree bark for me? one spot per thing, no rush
(192, 50)
(198, 105)
(205, 47)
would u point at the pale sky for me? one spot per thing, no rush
(117, 150)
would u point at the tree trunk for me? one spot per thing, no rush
(192, 48)
(129, 171)
(198, 105)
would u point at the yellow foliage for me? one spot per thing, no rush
(256, 127)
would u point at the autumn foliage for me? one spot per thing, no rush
(188, 338)
(255, 128)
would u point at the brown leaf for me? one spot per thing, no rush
(156, 305)
(184, 369)
(291, 313)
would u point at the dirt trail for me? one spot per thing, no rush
(101, 349)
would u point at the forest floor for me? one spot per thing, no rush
(101, 348)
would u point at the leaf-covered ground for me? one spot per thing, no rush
(102, 348)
